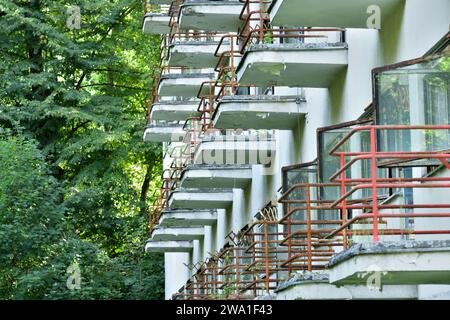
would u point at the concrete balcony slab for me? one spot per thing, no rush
(328, 13)
(219, 15)
(308, 65)
(187, 218)
(316, 286)
(200, 199)
(178, 233)
(161, 1)
(182, 84)
(169, 246)
(259, 112)
(156, 23)
(174, 110)
(404, 262)
(195, 54)
(164, 133)
(235, 150)
(216, 176)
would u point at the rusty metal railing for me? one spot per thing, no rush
(372, 216)
(169, 181)
(313, 227)
(247, 267)
(373, 210)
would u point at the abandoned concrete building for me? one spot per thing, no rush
(306, 148)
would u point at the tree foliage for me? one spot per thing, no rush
(75, 176)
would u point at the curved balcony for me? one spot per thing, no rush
(216, 176)
(307, 65)
(187, 218)
(169, 246)
(397, 263)
(196, 50)
(328, 13)
(259, 112)
(236, 150)
(164, 133)
(174, 110)
(161, 1)
(182, 84)
(177, 233)
(316, 286)
(217, 15)
(156, 23)
(200, 199)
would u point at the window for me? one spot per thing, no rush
(414, 94)
(292, 36)
(299, 174)
(436, 98)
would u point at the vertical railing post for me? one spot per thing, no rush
(261, 22)
(308, 225)
(236, 257)
(192, 146)
(266, 258)
(232, 71)
(254, 260)
(289, 233)
(211, 101)
(206, 285)
(374, 183)
(344, 202)
(227, 272)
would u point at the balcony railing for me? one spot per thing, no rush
(374, 211)
(250, 266)
(171, 8)
(316, 226)
(307, 219)
(156, 76)
(155, 8)
(169, 181)
(354, 216)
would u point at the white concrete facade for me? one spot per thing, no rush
(336, 93)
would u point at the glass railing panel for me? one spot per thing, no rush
(414, 95)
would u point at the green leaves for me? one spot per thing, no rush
(72, 111)
(31, 215)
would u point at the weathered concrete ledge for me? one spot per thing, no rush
(263, 97)
(169, 246)
(211, 2)
(389, 247)
(187, 75)
(204, 198)
(316, 286)
(298, 278)
(260, 112)
(297, 46)
(186, 218)
(308, 65)
(396, 263)
(164, 132)
(216, 176)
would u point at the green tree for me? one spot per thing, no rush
(31, 216)
(81, 94)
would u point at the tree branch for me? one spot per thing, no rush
(122, 15)
(112, 85)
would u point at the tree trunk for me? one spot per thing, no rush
(144, 189)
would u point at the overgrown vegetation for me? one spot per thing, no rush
(75, 176)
